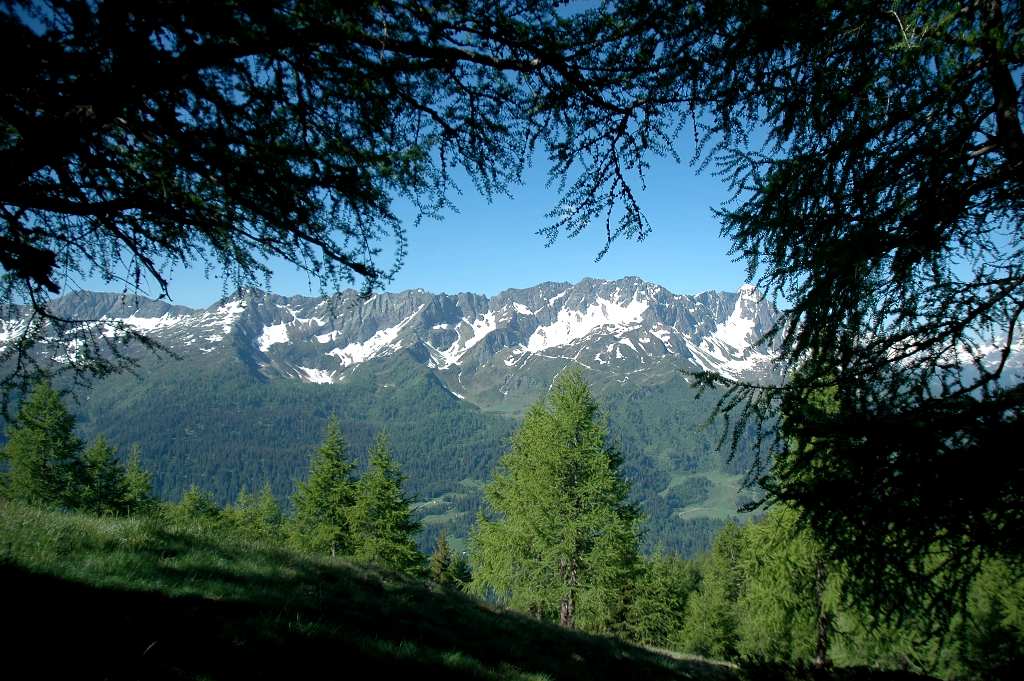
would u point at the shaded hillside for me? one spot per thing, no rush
(219, 423)
(139, 601)
(92, 598)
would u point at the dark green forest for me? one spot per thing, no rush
(765, 592)
(221, 425)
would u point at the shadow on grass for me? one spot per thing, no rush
(86, 599)
(288, 618)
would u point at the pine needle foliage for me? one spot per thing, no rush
(105, 490)
(381, 520)
(320, 523)
(256, 517)
(559, 539)
(43, 452)
(138, 483)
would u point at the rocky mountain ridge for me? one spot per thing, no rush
(481, 347)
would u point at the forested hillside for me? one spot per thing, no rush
(218, 423)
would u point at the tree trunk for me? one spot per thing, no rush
(567, 609)
(824, 617)
(1009, 134)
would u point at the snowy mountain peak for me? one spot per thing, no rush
(478, 345)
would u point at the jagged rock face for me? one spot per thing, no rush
(482, 348)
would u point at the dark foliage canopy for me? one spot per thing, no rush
(877, 157)
(876, 152)
(139, 137)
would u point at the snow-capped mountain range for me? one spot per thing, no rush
(479, 346)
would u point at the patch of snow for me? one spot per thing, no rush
(737, 330)
(10, 330)
(375, 345)
(327, 337)
(461, 397)
(478, 330)
(563, 294)
(712, 355)
(273, 335)
(149, 324)
(572, 325)
(229, 313)
(514, 356)
(296, 319)
(665, 337)
(316, 375)
(521, 309)
(749, 291)
(627, 342)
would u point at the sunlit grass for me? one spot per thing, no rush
(142, 597)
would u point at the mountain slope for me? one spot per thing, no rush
(446, 375)
(479, 346)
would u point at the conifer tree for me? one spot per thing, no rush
(658, 607)
(138, 485)
(446, 567)
(711, 625)
(561, 539)
(460, 572)
(787, 606)
(381, 518)
(105, 489)
(43, 452)
(196, 505)
(322, 502)
(256, 517)
(441, 560)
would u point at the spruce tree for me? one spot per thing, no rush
(711, 623)
(196, 505)
(381, 518)
(459, 571)
(560, 540)
(657, 609)
(441, 560)
(43, 452)
(256, 517)
(322, 502)
(787, 607)
(138, 485)
(105, 490)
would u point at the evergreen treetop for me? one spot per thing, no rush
(43, 452)
(256, 517)
(105, 490)
(381, 518)
(138, 483)
(440, 565)
(561, 538)
(320, 522)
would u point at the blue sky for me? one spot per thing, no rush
(488, 247)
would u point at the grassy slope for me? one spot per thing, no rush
(108, 598)
(86, 597)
